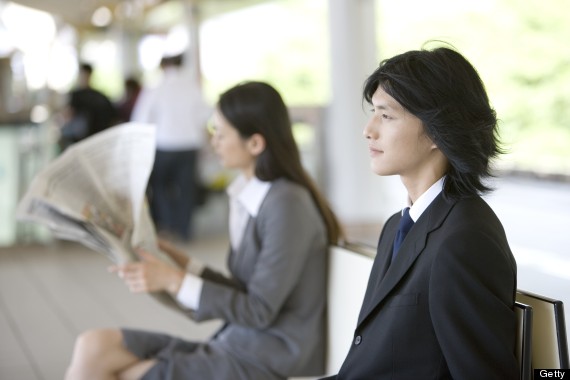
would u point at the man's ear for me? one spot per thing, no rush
(256, 144)
(433, 144)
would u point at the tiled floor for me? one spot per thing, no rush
(49, 294)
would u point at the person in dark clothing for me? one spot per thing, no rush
(439, 304)
(88, 111)
(126, 105)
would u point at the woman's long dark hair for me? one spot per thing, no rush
(256, 107)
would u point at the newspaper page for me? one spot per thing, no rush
(94, 194)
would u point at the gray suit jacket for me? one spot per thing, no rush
(274, 304)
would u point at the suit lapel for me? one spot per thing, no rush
(380, 266)
(247, 244)
(412, 247)
(384, 246)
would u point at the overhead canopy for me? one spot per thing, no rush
(79, 12)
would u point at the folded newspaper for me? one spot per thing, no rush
(94, 194)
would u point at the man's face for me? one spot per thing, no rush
(397, 142)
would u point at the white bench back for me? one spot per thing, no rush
(348, 277)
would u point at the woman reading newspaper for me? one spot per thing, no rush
(273, 304)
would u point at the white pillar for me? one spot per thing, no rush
(356, 194)
(128, 39)
(193, 20)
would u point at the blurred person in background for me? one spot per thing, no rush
(132, 88)
(88, 111)
(179, 112)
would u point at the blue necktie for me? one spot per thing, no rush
(404, 227)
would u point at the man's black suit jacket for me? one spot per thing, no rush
(444, 308)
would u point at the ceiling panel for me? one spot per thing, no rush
(79, 12)
(75, 12)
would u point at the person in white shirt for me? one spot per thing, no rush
(179, 112)
(273, 304)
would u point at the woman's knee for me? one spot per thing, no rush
(99, 354)
(92, 346)
(98, 341)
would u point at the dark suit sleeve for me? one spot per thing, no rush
(219, 278)
(472, 286)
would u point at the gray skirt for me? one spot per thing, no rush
(180, 359)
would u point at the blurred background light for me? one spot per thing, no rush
(102, 17)
(40, 113)
(29, 29)
(177, 41)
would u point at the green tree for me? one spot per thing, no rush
(522, 56)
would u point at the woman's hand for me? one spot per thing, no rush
(175, 254)
(149, 275)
